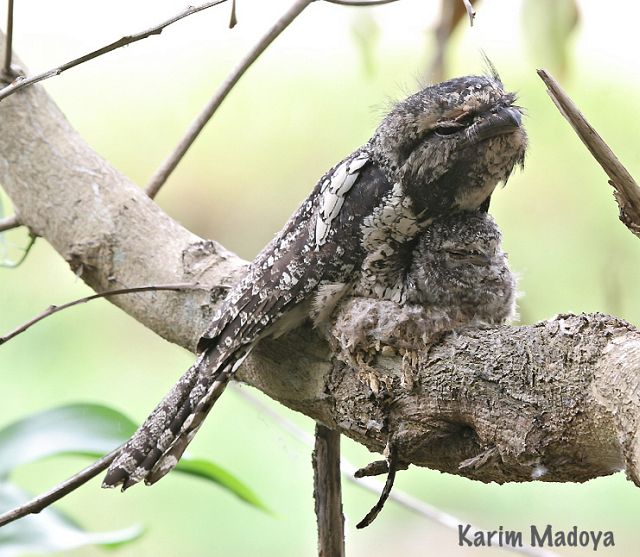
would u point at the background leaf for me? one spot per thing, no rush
(50, 531)
(93, 430)
(89, 429)
(208, 470)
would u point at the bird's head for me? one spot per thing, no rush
(452, 142)
(459, 261)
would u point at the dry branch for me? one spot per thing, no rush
(117, 292)
(8, 223)
(169, 165)
(41, 502)
(23, 82)
(7, 73)
(556, 401)
(626, 190)
(327, 492)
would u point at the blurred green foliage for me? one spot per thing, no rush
(89, 430)
(289, 120)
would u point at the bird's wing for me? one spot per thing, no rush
(309, 249)
(320, 244)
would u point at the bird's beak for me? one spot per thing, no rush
(504, 121)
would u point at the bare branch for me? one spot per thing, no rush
(117, 292)
(233, 19)
(360, 2)
(627, 192)
(23, 257)
(21, 83)
(7, 72)
(327, 492)
(41, 502)
(8, 223)
(392, 465)
(470, 11)
(169, 165)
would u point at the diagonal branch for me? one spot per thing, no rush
(627, 191)
(21, 83)
(117, 292)
(8, 223)
(169, 165)
(61, 490)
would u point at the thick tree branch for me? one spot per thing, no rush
(557, 401)
(352, 474)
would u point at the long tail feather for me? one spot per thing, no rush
(156, 447)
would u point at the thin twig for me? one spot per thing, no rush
(55, 309)
(470, 11)
(360, 3)
(41, 502)
(23, 257)
(8, 223)
(371, 484)
(123, 41)
(233, 19)
(392, 465)
(627, 192)
(8, 46)
(168, 166)
(327, 492)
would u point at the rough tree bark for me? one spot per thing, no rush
(557, 401)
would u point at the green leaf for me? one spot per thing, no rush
(93, 430)
(212, 472)
(89, 429)
(51, 530)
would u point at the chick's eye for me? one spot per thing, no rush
(458, 254)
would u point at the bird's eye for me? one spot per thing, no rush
(447, 128)
(450, 127)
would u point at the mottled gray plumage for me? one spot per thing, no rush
(458, 277)
(438, 152)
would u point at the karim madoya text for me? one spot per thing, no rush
(537, 536)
